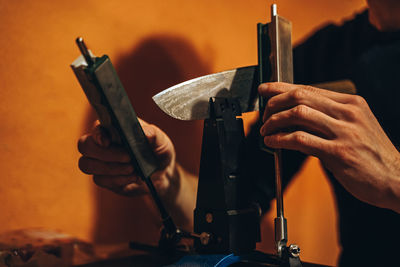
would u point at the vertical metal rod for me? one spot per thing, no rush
(277, 152)
(280, 221)
(274, 10)
(269, 49)
(85, 52)
(278, 182)
(167, 221)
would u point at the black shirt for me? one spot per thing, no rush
(369, 235)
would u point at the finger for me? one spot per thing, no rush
(156, 137)
(308, 119)
(135, 189)
(89, 148)
(299, 140)
(126, 185)
(153, 133)
(94, 166)
(308, 98)
(276, 88)
(160, 143)
(101, 136)
(115, 181)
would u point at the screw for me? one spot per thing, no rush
(294, 250)
(209, 218)
(205, 238)
(232, 176)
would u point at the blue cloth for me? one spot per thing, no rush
(214, 260)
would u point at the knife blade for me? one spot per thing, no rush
(189, 100)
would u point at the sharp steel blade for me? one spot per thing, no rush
(189, 100)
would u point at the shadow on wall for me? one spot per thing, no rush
(155, 64)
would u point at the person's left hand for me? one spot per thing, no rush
(340, 130)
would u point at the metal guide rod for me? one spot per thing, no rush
(167, 221)
(280, 221)
(278, 181)
(277, 152)
(85, 52)
(280, 31)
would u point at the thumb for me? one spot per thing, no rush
(101, 136)
(160, 143)
(158, 140)
(150, 132)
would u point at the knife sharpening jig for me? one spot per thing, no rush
(226, 220)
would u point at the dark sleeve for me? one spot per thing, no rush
(329, 54)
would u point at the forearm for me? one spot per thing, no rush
(181, 203)
(379, 185)
(393, 199)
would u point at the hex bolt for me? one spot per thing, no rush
(294, 250)
(205, 238)
(232, 176)
(209, 218)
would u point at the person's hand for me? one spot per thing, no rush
(110, 163)
(341, 131)
(111, 168)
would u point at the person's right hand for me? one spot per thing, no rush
(111, 166)
(342, 131)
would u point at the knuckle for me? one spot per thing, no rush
(350, 113)
(358, 100)
(299, 138)
(272, 120)
(276, 85)
(309, 88)
(297, 95)
(270, 104)
(300, 111)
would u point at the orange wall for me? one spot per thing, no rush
(154, 44)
